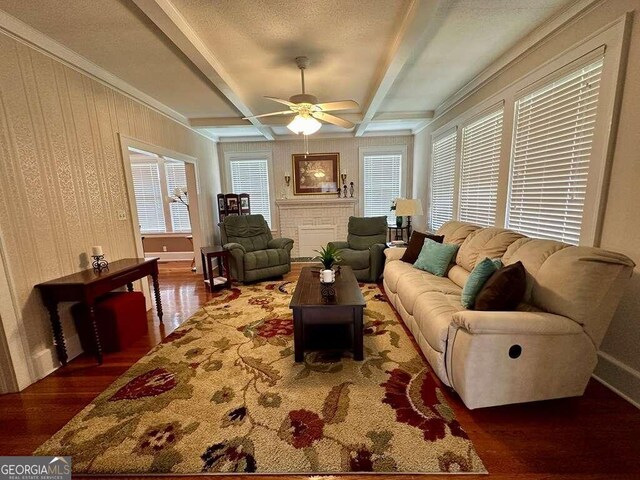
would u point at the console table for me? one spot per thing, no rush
(87, 286)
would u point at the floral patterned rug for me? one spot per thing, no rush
(223, 394)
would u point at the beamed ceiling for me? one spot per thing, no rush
(212, 61)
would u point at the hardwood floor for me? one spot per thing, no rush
(592, 437)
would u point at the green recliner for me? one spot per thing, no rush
(255, 254)
(364, 249)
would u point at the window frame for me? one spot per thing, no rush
(612, 41)
(255, 155)
(449, 129)
(401, 150)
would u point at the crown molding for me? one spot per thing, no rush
(33, 38)
(529, 43)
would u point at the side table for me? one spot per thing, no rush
(399, 232)
(224, 268)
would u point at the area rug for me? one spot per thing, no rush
(223, 394)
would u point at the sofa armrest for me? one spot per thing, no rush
(516, 322)
(394, 253)
(339, 245)
(234, 246)
(282, 243)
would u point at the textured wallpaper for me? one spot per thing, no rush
(62, 175)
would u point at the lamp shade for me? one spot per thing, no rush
(408, 207)
(305, 125)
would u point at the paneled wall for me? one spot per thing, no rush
(347, 147)
(62, 179)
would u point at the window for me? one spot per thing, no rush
(443, 156)
(177, 178)
(382, 174)
(146, 184)
(252, 176)
(554, 128)
(481, 142)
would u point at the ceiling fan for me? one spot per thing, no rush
(308, 111)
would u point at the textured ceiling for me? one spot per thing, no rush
(470, 35)
(116, 36)
(255, 42)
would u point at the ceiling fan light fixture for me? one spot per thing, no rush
(304, 124)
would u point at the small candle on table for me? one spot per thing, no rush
(96, 251)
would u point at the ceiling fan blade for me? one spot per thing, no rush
(341, 122)
(284, 112)
(280, 100)
(339, 105)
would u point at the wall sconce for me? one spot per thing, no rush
(343, 176)
(287, 178)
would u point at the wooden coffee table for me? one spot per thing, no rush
(314, 315)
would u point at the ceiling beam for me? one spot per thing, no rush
(416, 26)
(169, 19)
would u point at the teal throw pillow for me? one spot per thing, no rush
(477, 278)
(435, 257)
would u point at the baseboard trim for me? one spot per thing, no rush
(46, 360)
(170, 256)
(618, 377)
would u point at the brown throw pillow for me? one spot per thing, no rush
(504, 289)
(415, 245)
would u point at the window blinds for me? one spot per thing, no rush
(177, 178)
(481, 142)
(146, 186)
(252, 177)
(550, 160)
(382, 184)
(443, 157)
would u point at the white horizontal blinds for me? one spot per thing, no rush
(252, 177)
(146, 185)
(382, 184)
(443, 158)
(177, 178)
(481, 141)
(550, 160)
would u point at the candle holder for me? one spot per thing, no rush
(351, 189)
(99, 263)
(343, 176)
(287, 179)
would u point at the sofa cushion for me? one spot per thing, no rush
(489, 242)
(265, 258)
(366, 231)
(433, 312)
(458, 275)
(413, 285)
(356, 259)
(456, 232)
(435, 257)
(415, 245)
(478, 277)
(504, 290)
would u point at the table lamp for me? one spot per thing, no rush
(408, 207)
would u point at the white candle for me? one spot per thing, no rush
(344, 172)
(327, 276)
(287, 174)
(96, 251)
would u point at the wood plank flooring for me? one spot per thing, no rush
(592, 437)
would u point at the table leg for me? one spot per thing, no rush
(129, 287)
(227, 270)
(156, 291)
(298, 336)
(358, 334)
(96, 336)
(210, 270)
(204, 266)
(58, 334)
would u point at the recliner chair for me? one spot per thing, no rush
(364, 249)
(255, 254)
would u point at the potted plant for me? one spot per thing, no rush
(328, 256)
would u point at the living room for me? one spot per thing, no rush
(259, 237)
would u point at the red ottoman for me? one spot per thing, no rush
(121, 318)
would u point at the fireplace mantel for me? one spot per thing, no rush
(294, 202)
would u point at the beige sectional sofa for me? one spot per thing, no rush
(546, 349)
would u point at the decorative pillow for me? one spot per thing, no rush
(415, 245)
(479, 275)
(435, 257)
(504, 290)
